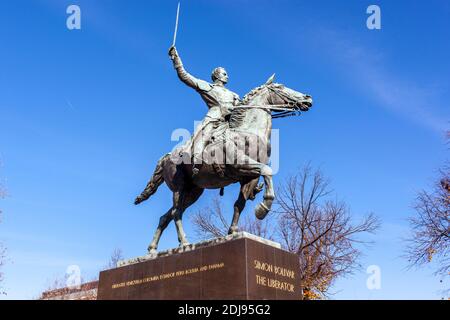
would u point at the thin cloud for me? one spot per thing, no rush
(368, 70)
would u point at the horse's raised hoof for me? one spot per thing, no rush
(261, 211)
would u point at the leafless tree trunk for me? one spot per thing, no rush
(306, 222)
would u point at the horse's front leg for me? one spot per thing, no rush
(252, 168)
(263, 208)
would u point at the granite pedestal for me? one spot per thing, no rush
(241, 267)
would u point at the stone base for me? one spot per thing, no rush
(240, 267)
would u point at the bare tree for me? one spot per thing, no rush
(57, 289)
(211, 222)
(116, 256)
(319, 230)
(308, 223)
(260, 228)
(430, 237)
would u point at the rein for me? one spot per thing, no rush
(280, 108)
(283, 110)
(275, 107)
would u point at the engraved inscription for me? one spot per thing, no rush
(169, 275)
(267, 281)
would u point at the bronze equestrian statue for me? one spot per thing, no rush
(232, 128)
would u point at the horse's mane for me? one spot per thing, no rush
(237, 115)
(249, 96)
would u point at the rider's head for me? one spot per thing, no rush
(219, 74)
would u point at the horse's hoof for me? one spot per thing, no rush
(137, 200)
(152, 251)
(261, 211)
(184, 244)
(232, 231)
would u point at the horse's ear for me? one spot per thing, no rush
(270, 80)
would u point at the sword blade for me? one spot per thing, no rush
(176, 26)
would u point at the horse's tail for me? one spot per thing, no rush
(156, 180)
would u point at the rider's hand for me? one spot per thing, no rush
(173, 52)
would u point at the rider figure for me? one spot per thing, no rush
(219, 100)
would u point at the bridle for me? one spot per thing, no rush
(283, 110)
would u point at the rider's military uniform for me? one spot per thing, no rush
(219, 100)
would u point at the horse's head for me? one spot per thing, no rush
(283, 99)
(291, 99)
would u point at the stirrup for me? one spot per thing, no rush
(195, 171)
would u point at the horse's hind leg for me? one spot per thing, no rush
(163, 223)
(175, 213)
(183, 202)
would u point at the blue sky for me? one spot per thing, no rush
(85, 114)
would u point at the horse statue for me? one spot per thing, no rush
(249, 122)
